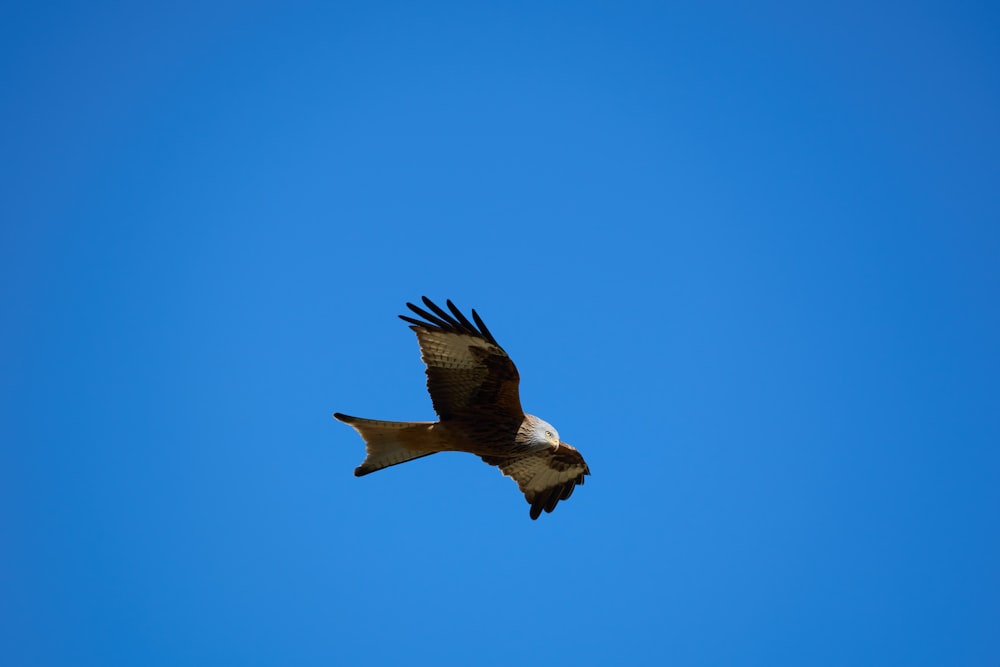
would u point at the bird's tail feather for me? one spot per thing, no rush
(391, 443)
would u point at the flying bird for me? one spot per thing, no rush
(474, 388)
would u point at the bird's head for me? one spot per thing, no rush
(539, 433)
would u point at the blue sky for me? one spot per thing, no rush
(745, 255)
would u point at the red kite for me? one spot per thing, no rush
(474, 388)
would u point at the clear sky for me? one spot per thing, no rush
(745, 255)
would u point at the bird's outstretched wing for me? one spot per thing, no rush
(469, 376)
(545, 477)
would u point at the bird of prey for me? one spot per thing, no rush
(474, 388)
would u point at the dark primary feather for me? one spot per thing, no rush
(440, 311)
(548, 499)
(455, 322)
(482, 327)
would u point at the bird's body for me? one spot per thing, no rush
(474, 387)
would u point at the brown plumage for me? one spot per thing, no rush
(474, 388)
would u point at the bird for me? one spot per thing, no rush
(473, 385)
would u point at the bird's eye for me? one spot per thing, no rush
(548, 434)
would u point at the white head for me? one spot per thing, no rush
(538, 432)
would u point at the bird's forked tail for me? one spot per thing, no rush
(390, 443)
